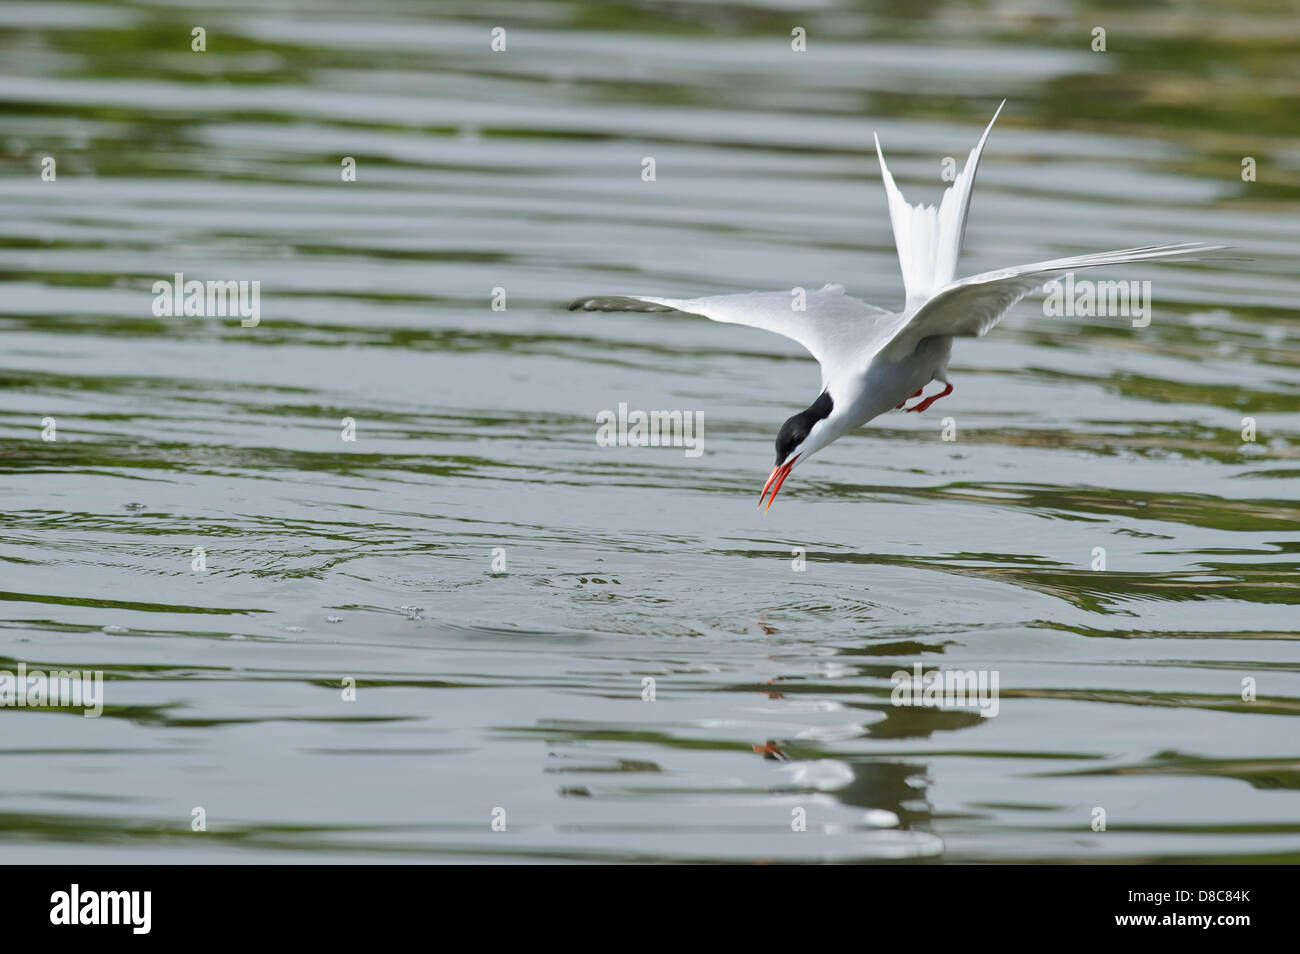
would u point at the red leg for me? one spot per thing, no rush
(922, 405)
(908, 398)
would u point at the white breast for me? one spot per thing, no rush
(886, 383)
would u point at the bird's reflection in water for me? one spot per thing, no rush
(894, 793)
(882, 787)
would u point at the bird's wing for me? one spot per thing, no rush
(972, 306)
(836, 329)
(929, 239)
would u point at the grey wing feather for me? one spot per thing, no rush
(840, 331)
(617, 303)
(971, 306)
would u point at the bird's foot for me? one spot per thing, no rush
(916, 393)
(923, 405)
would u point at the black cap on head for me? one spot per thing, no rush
(795, 431)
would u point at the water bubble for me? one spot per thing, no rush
(115, 630)
(333, 619)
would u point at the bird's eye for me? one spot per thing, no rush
(796, 429)
(792, 435)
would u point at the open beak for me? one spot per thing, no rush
(779, 473)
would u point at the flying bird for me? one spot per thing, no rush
(873, 360)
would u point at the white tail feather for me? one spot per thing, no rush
(929, 240)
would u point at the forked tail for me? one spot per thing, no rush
(929, 239)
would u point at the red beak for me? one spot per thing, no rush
(779, 473)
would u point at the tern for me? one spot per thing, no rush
(873, 360)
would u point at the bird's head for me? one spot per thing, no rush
(801, 436)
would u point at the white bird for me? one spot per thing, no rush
(873, 360)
